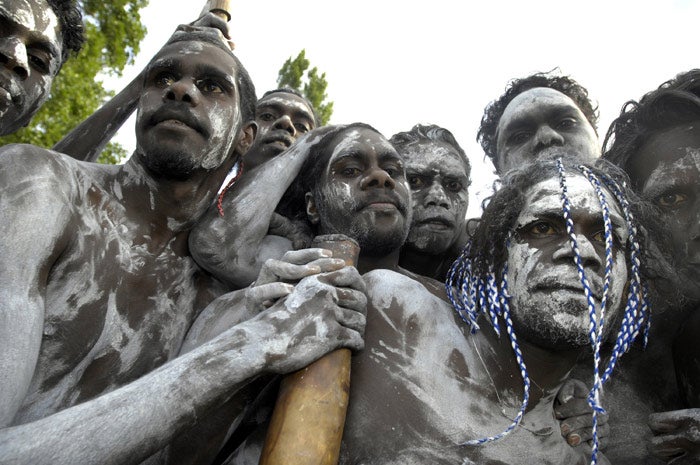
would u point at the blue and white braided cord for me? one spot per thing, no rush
(505, 314)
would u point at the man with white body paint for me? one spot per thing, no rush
(218, 243)
(437, 169)
(36, 37)
(424, 385)
(538, 117)
(657, 142)
(99, 289)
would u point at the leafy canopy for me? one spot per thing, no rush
(113, 32)
(314, 88)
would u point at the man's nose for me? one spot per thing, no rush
(285, 123)
(586, 250)
(377, 177)
(13, 56)
(547, 137)
(183, 90)
(436, 196)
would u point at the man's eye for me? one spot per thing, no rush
(350, 171)
(671, 199)
(209, 86)
(416, 182)
(520, 137)
(39, 62)
(567, 123)
(164, 79)
(301, 128)
(267, 117)
(454, 186)
(392, 171)
(542, 228)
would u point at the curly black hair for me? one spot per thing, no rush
(674, 102)
(494, 110)
(429, 132)
(70, 19)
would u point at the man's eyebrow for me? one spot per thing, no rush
(553, 111)
(47, 46)
(209, 70)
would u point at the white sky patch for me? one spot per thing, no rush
(443, 61)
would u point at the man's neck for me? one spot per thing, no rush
(419, 262)
(174, 204)
(368, 263)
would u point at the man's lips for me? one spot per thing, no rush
(282, 138)
(383, 203)
(439, 222)
(553, 285)
(176, 118)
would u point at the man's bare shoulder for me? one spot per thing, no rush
(46, 168)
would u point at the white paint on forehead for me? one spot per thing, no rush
(282, 100)
(35, 15)
(545, 196)
(667, 170)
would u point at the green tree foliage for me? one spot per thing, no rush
(313, 88)
(113, 32)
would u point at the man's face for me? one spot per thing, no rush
(281, 118)
(548, 304)
(363, 193)
(667, 172)
(537, 124)
(439, 180)
(189, 111)
(30, 56)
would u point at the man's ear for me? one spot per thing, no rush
(311, 210)
(246, 138)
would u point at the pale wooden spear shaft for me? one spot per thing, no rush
(309, 417)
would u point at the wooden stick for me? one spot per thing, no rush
(309, 417)
(220, 8)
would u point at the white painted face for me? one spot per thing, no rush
(363, 192)
(542, 123)
(439, 181)
(189, 111)
(548, 304)
(30, 56)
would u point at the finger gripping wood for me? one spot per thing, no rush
(308, 420)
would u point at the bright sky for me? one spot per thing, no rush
(393, 64)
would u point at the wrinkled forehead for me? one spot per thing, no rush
(667, 153)
(360, 141)
(538, 100)
(36, 16)
(287, 101)
(433, 154)
(196, 52)
(544, 199)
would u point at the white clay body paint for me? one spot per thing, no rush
(545, 279)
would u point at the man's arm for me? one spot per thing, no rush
(235, 253)
(34, 229)
(87, 140)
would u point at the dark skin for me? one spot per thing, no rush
(439, 188)
(109, 313)
(539, 123)
(87, 140)
(666, 171)
(281, 117)
(417, 400)
(30, 57)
